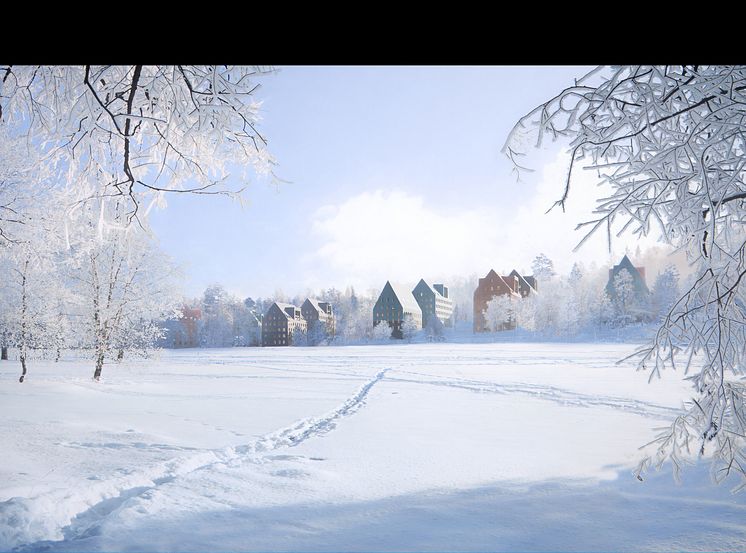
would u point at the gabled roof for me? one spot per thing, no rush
(523, 280)
(284, 306)
(508, 286)
(512, 292)
(405, 297)
(492, 272)
(315, 305)
(429, 287)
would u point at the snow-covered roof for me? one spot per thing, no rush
(521, 278)
(315, 304)
(405, 297)
(284, 306)
(433, 290)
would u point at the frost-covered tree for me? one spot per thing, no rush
(217, 318)
(135, 131)
(525, 313)
(246, 323)
(125, 284)
(352, 313)
(500, 313)
(33, 292)
(6, 302)
(543, 268)
(461, 293)
(434, 329)
(665, 291)
(316, 333)
(382, 332)
(30, 277)
(670, 143)
(409, 328)
(624, 298)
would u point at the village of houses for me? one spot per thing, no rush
(400, 309)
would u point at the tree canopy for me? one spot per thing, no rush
(670, 142)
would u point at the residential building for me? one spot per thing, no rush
(434, 303)
(283, 325)
(489, 287)
(637, 274)
(313, 310)
(395, 303)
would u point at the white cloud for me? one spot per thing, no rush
(391, 235)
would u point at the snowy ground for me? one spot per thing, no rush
(403, 447)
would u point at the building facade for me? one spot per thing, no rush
(490, 287)
(394, 304)
(434, 303)
(283, 325)
(321, 311)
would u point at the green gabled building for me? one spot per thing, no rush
(638, 279)
(395, 303)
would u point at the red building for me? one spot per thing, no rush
(494, 285)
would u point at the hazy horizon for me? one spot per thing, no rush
(388, 173)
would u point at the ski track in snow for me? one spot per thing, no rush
(549, 393)
(26, 521)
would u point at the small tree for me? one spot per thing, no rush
(624, 298)
(218, 325)
(126, 285)
(409, 328)
(434, 329)
(525, 312)
(543, 268)
(316, 332)
(382, 332)
(665, 292)
(500, 313)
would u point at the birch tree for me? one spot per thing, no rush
(126, 284)
(669, 142)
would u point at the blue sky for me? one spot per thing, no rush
(389, 173)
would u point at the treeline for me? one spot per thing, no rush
(87, 280)
(226, 320)
(568, 305)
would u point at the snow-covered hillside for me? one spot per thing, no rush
(402, 447)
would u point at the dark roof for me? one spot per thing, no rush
(525, 281)
(284, 306)
(637, 280)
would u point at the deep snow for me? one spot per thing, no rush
(401, 447)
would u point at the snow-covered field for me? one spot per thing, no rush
(403, 447)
